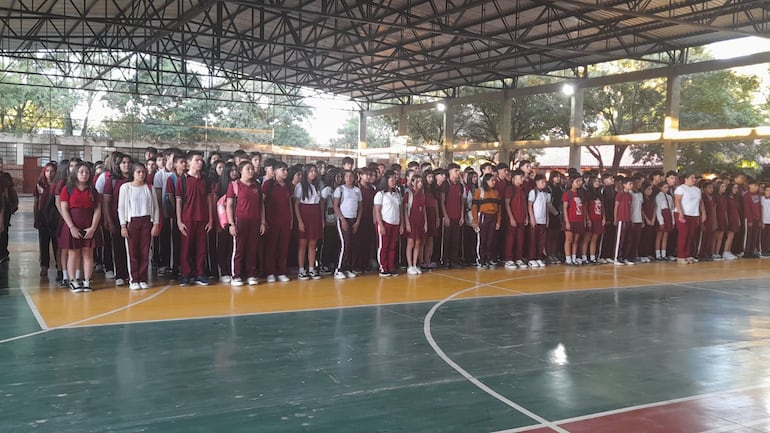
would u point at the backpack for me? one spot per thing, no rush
(50, 214)
(222, 206)
(169, 206)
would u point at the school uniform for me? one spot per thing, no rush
(664, 212)
(248, 220)
(390, 212)
(46, 235)
(310, 212)
(708, 227)
(138, 211)
(120, 261)
(176, 236)
(720, 202)
(159, 183)
(485, 212)
(635, 228)
(622, 247)
(515, 236)
(195, 210)
(610, 230)
(647, 241)
(765, 240)
(539, 201)
(278, 215)
(687, 230)
(224, 242)
(349, 203)
(453, 194)
(364, 239)
(574, 212)
(752, 208)
(82, 205)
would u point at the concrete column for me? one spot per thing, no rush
(671, 123)
(19, 153)
(449, 133)
(403, 122)
(575, 127)
(361, 138)
(505, 127)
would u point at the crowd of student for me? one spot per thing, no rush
(239, 218)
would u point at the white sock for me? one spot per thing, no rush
(311, 268)
(663, 253)
(65, 275)
(573, 258)
(78, 275)
(593, 257)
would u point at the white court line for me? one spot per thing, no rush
(479, 384)
(35, 311)
(72, 324)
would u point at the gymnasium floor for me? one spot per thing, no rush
(651, 348)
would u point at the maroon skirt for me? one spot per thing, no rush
(417, 224)
(576, 227)
(668, 221)
(597, 228)
(81, 218)
(314, 224)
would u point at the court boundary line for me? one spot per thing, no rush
(469, 377)
(748, 424)
(639, 407)
(512, 293)
(70, 325)
(35, 312)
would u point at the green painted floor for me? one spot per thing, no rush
(371, 369)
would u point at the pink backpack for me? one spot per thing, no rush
(222, 206)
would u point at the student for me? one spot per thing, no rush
(734, 201)
(516, 214)
(765, 202)
(622, 221)
(431, 216)
(81, 211)
(224, 261)
(647, 243)
(689, 206)
(574, 220)
(538, 199)
(720, 212)
(364, 239)
(10, 205)
(59, 183)
(468, 236)
(277, 194)
(453, 209)
(246, 223)
(752, 209)
(180, 170)
(46, 225)
(213, 179)
(608, 193)
(194, 213)
(310, 220)
(347, 207)
(555, 235)
(416, 223)
(139, 219)
(595, 220)
(389, 224)
(665, 221)
(709, 225)
(637, 222)
(486, 218)
(159, 183)
(329, 246)
(119, 172)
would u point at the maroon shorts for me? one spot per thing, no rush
(668, 221)
(311, 217)
(417, 224)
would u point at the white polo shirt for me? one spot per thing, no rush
(350, 199)
(391, 206)
(691, 196)
(539, 200)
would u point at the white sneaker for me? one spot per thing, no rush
(225, 279)
(120, 282)
(134, 286)
(350, 274)
(339, 275)
(411, 271)
(602, 261)
(533, 264)
(236, 282)
(283, 278)
(520, 263)
(619, 263)
(270, 278)
(540, 263)
(510, 265)
(144, 285)
(418, 269)
(109, 275)
(252, 281)
(716, 257)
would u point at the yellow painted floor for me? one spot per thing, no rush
(110, 305)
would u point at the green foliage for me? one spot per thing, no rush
(379, 129)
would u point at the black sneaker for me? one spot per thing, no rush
(202, 281)
(75, 287)
(185, 281)
(384, 274)
(303, 275)
(64, 283)
(314, 274)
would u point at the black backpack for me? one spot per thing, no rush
(51, 216)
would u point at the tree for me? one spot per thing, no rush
(718, 99)
(379, 129)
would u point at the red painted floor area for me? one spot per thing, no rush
(744, 411)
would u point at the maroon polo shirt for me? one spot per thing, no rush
(248, 204)
(453, 193)
(196, 196)
(277, 203)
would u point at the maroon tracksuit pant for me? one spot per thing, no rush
(245, 248)
(514, 242)
(277, 248)
(224, 260)
(137, 248)
(452, 238)
(346, 245)
(364, 245)
(687, 232)
(753, 234)
(537, 241)
(119, 253)
(193, 246)
(486, 246)
(387, 246)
